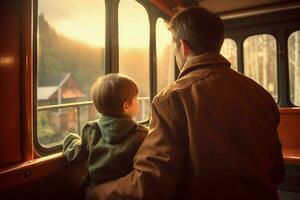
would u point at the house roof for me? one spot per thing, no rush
(44, 93)
(53, 80)
(49, 85)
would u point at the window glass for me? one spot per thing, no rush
(165, 55)
(70, 45)
(260, 61)
(134, 50)
(229, 51)
(294, 66)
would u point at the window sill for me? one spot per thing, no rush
(29, 171)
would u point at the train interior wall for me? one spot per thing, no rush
(51, 177)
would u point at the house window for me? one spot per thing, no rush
(134, 50)
(294, 66)
(165, 55)
(229, 51)
(70, 57)
(260, 61)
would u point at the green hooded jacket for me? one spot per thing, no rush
(109, 144)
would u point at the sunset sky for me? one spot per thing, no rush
(85, 21)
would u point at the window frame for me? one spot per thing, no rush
(276, 55)
(290, 31)
(236, 44)
(279, 24)
(150, 57)
(111, 57)
(176, 69)
(40, 149)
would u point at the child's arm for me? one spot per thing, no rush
(75, 148)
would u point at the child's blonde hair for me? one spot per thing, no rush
(111, 91)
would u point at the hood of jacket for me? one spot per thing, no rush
(113, 129)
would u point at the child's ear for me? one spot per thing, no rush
(125, 107)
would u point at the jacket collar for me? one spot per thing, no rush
(203, 60)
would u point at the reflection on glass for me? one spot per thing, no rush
(165, 55)
(294, 66)
(229, 51)
(70, 57)
(260, 61)
(134, 50)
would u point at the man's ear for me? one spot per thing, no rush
(185, 48)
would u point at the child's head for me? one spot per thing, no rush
(115, 95)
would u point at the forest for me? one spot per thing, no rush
(58, 54)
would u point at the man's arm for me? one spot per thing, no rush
(158, 164)
(278, 169)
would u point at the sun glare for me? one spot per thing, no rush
(85, 21)
(79, 20)
(86, 32)
(133, 25)
(164, 36)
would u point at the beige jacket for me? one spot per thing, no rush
(213, 135)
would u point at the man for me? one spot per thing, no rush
(213, 132)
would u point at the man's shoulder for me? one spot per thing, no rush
(253, 85)
(180, 86)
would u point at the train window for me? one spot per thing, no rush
(70, 56)
(134, 50)
(229, 51)
(294, 66)
(260, 61)
(165, 55)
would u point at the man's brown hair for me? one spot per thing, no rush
(111, 91)
(202, 30)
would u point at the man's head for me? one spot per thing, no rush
(196, 31)
(115, 95)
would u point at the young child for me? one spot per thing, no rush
(110, 142)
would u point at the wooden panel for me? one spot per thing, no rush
(163, 6)
(26, 79)
(10, 139)
(50, 178)
(179, 3)
(233, 5)
(289, 133)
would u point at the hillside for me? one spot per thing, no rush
(58, 54)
